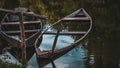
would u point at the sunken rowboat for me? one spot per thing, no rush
(76, 25)
(20, 27)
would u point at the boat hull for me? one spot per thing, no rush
(78, 17)
(17, 26)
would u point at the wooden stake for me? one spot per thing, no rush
(53, 48)
(55, 41)
(23, 42)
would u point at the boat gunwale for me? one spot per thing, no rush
(24, 13)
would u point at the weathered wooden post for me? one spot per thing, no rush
(53, 48)
(23, 42)
(55, 41)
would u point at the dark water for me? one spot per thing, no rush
(88, 55)
(75, 58)
(103, 44)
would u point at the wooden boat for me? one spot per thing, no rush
(66, 26)
(20, 27)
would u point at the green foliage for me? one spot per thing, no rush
(1, 3)
(105, 13)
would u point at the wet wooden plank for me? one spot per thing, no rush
(38, 52)
(76, 18)
(22, 36)
(17, 23)
(66, 33)
(17, 32)
(48, 32)
(55, 42)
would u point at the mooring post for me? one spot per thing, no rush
(23, 42)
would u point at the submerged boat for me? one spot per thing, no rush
(20, 27)
(77, 25)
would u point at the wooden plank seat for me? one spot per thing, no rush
(66, 33)
(48, 32)
(17, 23)
(18, 32)
(76, 19)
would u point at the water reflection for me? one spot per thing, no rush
(105, 53)
(79, 57)
(69, 60)
(74, 58)
(7, 57)
(63, 41)
(98, 54)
